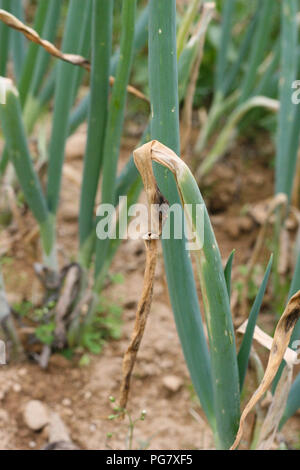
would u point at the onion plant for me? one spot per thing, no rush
(25, 99)
(239, 85)
(217, 370)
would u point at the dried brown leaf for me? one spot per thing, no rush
(280, 343)
(271, 422)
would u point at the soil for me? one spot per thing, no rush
(161, 383)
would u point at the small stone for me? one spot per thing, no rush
(32, 444)
(87, 395)
(93, 427)
(246, 223)
(57, 430)
(35, 415)
(4, 417)
(22, 372)
(66, 402)
(172, 383)
(167, 364)
(17, 388)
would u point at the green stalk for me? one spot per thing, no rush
(227, 15)
(80, 113)
(244, 352)
(286, 116)
(30, 60)
(4, 40)
(101, 50)
(165, 128)
(65, 89)
(18, 40)
(261, 36)
(185, 25)
(84, 45)
(4, 161)
(130, 173)
(140, 38)
(229, 81)
(263, 87)
(225, 136)
(227, 272)
(215, 296)
(217, 110)
(115, 120)
(43, 57)
(15, 137)
(293, 402)
(35, 106)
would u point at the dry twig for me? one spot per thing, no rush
(13, 22)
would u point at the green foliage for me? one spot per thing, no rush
(45, 333)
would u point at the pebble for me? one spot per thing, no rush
(66, 402)
(35, 415)
(93, 427)
(32, 444)
(246, 223)
(172, 383)
(4, 417)
(17, 388)
(57, 430)
(22, 372)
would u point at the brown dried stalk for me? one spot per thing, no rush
(13, 22)
(155, 221)
(280, 343)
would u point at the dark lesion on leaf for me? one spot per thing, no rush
(292, 319)
(163, 204)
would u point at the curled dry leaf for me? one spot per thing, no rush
(280, 343)
(13, 22)
(144, 164)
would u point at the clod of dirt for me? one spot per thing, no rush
(231, 227)
(172, 383)
(59, 362)
(76, 144)
(69, 212)
(35, 415)
(246, 223)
